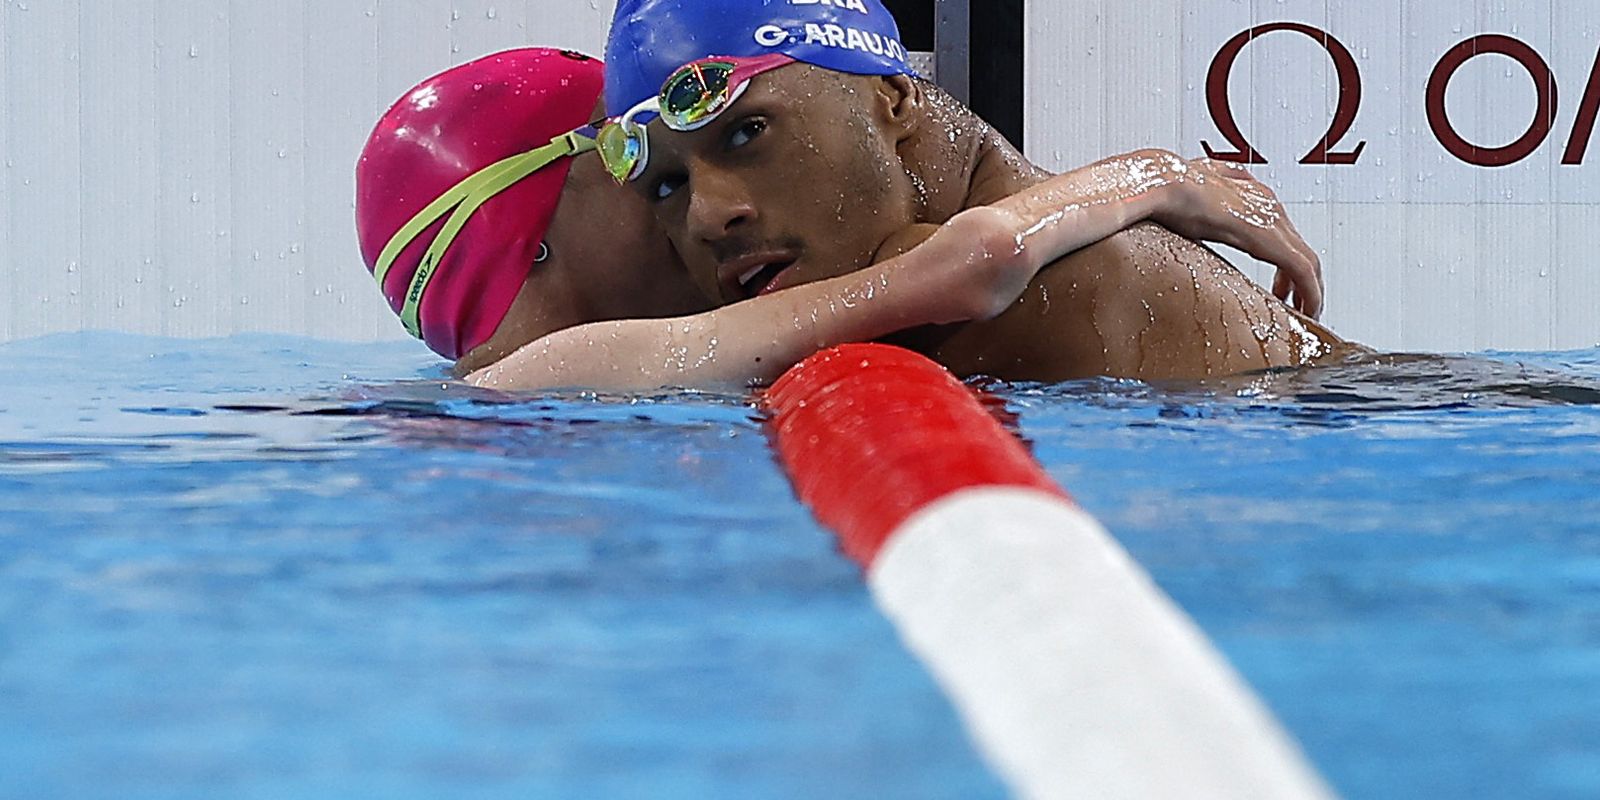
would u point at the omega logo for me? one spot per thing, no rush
(1326, 151)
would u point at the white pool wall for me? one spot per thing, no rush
(185, 167)
(1422, 250)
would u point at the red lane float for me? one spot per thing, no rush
(873, 409)
(1076, 676)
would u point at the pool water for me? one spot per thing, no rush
(268, 567)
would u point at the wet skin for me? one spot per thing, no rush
(813, 174)
(608, 260)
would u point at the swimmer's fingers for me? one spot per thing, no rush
(1309, 298)
(1306, 276)
(1222, 202)
(1282, 283)
(1299, 274)
(1299, 277)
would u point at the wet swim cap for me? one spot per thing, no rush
(450, 127)
(650, 39)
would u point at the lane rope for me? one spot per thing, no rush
(1075, 675)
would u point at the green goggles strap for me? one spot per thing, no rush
(460, 201)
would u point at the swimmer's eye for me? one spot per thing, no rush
(747, 130)
(667, 186)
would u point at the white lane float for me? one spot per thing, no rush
(1076, 676)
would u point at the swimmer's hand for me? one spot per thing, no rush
(1217, 201)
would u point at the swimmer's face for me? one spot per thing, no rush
(798, 181)
(605, 245)
(607, 260)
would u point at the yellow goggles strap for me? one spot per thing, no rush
(460, 201)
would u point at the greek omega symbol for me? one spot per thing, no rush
(1444, 131)
(1344, 115)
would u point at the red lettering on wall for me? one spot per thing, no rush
(1543, 80)
(1344, 116)
(1583, 126)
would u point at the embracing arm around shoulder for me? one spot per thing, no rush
(969, 269)
(972, 267)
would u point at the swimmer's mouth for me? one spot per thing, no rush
(760, 275)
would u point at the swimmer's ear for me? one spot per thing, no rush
(899, 104)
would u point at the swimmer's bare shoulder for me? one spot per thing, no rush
(1144, 303)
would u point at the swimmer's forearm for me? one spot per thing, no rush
(1078, 208)
(753, 340)
(1202, 199)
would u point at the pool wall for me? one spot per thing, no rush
(1424, 249)
(184, 168)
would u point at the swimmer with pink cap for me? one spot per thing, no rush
(475, 207)
(499, 239)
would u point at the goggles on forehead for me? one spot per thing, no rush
(459, 202)
(690, 99)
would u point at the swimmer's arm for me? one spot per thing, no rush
(972, 267)
(1200, 199)
(1065, 212)
(969, 270)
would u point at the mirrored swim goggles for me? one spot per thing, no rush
(460, 201)
(690, 99)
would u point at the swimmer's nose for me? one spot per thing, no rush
(719, 205)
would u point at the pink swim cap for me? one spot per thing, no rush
(446, 130)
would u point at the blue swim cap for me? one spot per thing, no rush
(650, 39)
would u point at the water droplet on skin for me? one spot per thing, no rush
(194, 52)
(490, 13)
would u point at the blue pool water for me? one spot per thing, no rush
(263, 567)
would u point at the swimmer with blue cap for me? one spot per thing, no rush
(784, 142)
